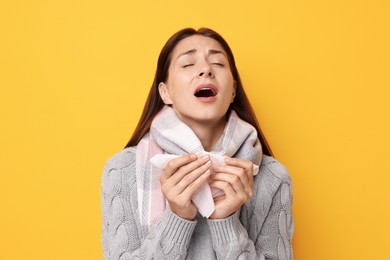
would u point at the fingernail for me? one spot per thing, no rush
(227, 159)
(207, 172)
(208, 163)
(205, 158)
(193, 156)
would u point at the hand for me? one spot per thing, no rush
(235, 179)
(181, 179)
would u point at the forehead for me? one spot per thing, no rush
(197, 42)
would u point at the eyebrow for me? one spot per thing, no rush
(210, 52)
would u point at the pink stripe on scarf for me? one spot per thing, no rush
(157, 199)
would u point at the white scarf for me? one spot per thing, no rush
(169, 138)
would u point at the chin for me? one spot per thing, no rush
(211, 113)
(207, 117)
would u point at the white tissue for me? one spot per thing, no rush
(203, 198)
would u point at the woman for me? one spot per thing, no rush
(184, 186)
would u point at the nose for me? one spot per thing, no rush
(206, 71)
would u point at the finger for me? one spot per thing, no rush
(232, 179)
(176, 163)
(247, 165)
(187, 174)
(218, 198)
(189, 191)
(236, 171)
(224, 186)
(186, 169)
(189, 178)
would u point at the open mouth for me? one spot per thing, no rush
(205, 92)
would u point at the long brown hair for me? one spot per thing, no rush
(154, 102)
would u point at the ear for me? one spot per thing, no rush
(234, 92)
(164, 94)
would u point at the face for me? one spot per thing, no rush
(200, 85)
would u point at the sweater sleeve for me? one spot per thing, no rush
(268, 233)
(274, 240)
(121, 232)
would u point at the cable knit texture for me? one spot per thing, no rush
(261, 229)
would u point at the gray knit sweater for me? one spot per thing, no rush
(261, 229)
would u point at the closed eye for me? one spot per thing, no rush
(188, 65)
(218, 64)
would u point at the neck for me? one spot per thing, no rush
(208, 133)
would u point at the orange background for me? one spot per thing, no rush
(74, 76)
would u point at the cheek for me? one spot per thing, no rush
(178, 79)
(228, 77)
(178, 92)
(229, 83)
